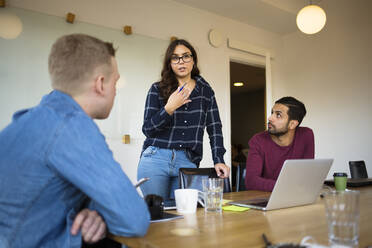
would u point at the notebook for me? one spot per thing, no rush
(166, 217)
(299, 183)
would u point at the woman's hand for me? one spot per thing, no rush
(223, 171)
(177, 99)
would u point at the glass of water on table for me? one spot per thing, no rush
(213, 192)
(342, 211)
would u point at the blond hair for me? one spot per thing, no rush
(74, 59)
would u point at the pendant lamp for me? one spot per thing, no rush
(311, 19)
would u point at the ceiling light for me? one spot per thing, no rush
(311, 19)
(238, 84)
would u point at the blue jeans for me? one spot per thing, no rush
(161, 166)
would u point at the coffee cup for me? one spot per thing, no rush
(186, 200)
(340, 179)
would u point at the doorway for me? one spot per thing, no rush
(248, 109)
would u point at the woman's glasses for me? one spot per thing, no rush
(186, 58)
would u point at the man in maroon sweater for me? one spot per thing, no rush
(284, 140)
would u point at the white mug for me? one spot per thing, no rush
(186, 200)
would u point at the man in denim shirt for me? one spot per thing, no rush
(54, 159)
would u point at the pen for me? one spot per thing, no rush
(267, 242)
(141, 181)
(182, 87)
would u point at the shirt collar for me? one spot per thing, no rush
(198, 83)
(61, 98)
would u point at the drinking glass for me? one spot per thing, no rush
(213, 192)
(342, 211)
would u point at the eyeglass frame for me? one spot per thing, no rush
(181, 57)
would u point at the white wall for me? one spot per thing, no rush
(332, 73)
(24, 76)
(329, 71)
(162, 19)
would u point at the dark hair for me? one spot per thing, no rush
(168, 82)
(296, 109)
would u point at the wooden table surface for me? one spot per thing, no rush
(244, 229)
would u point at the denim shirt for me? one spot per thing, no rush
(52, 158)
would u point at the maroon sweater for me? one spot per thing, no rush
(266, 158)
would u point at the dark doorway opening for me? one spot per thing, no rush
(247, 111)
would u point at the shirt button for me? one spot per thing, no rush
(185, 121)
(185, 108)
(180, 145)
(183, 133)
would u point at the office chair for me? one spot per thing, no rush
(192, 178)
(358, 169)
(240, 177)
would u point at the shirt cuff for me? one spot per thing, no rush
(164, 114)
(218, 160)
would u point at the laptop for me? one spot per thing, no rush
(299, 183)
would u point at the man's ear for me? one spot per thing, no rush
(293, 124)
(99, 84)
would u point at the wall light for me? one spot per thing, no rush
(311, 19)
(10, 25)
(238, 84)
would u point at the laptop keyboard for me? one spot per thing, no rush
(260, 204)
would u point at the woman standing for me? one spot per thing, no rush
(178, 109)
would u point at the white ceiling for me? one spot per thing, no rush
(278, 16)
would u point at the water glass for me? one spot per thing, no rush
(342, 211)
(213, 192)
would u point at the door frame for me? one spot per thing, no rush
(257, 61)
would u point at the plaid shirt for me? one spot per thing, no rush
(184, 130)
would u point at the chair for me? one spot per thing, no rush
(358, 169)
(240, 177)
(192, 178)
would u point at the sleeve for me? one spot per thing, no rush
(254, 168)
(155, 117)
(81, 156)
(309, 151)
(214, 129)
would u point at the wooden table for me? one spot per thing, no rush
(244, 229)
